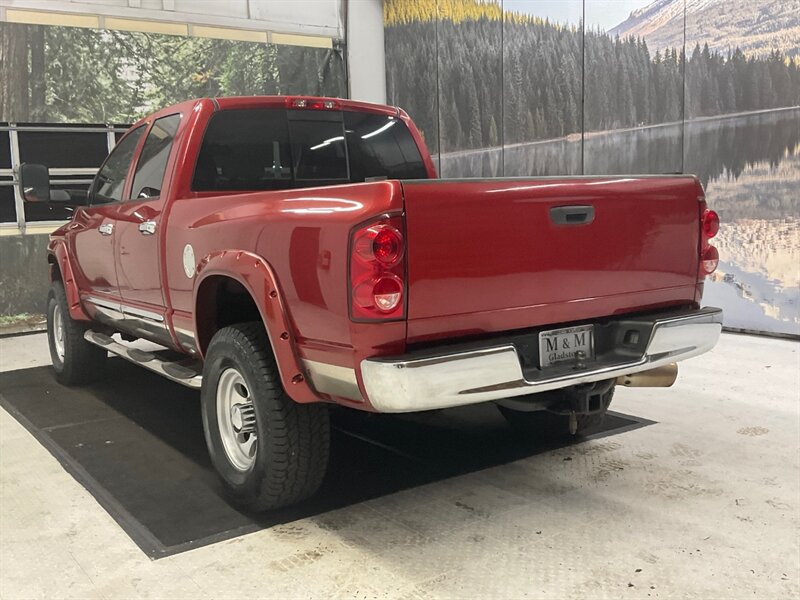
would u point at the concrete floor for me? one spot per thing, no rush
(703, 504)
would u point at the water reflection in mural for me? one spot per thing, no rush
(750, 167)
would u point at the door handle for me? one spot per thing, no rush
(147, 228)
(572, 215)
(106, 229)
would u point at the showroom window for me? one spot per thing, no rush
(72, 152)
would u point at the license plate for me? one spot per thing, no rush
(562, 345)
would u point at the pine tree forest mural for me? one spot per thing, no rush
(57, 74)
(545, 87)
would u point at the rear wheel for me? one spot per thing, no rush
(552, 425)
(269, 450)
(74, 359)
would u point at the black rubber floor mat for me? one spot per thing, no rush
(135, 442)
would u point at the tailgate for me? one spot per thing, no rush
(494, 255)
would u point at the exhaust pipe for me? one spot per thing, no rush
(659, 377)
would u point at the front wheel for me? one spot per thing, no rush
(74, 359)
(268, 450)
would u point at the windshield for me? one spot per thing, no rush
(274, 149)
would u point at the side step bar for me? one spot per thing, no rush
(187, 374)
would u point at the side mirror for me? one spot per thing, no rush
(34, 183)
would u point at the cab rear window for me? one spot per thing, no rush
(274, 149)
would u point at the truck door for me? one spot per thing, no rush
(139, 232)
(91, 233)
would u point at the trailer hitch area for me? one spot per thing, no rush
(584, 399)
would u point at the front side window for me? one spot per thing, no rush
(149, 176)
(109, 183)
(276, 149)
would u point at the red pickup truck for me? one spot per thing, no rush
(288, 253)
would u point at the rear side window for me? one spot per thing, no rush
(149, 176)
(381, 146)
(273, 149)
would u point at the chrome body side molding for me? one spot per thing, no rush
(135, 321)
(413, 383)
(144, 314)
(106, 308)
(124, 309)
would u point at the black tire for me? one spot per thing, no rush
(81, 362)
(551, 426)
(292, 440)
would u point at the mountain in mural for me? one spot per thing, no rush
(755, 26)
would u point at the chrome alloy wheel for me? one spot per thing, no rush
(59, 332)
(236, 419)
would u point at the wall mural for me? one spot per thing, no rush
(71, 75)
(711, 87)
(74, 75)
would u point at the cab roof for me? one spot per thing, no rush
(290, 102)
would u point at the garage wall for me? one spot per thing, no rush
(545, 87)
(365, 57)
(293, 17)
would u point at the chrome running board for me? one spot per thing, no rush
(188, 373)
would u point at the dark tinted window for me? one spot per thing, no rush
(149, 175)
(5, 150)
(8, 213)
(245, 150)
(110, 180)
(381, 146)
(270, 149)
(318, 151)
(63, 149)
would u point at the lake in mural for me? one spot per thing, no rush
(516, 88)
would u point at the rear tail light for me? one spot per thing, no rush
(710, 223)
(387, 292)
(709, 226)
(377, 271)
(709, 260)
(381, 242)
(312, 103)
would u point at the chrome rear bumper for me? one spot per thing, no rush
(423, 382)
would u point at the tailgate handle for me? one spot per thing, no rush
(572, 215)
